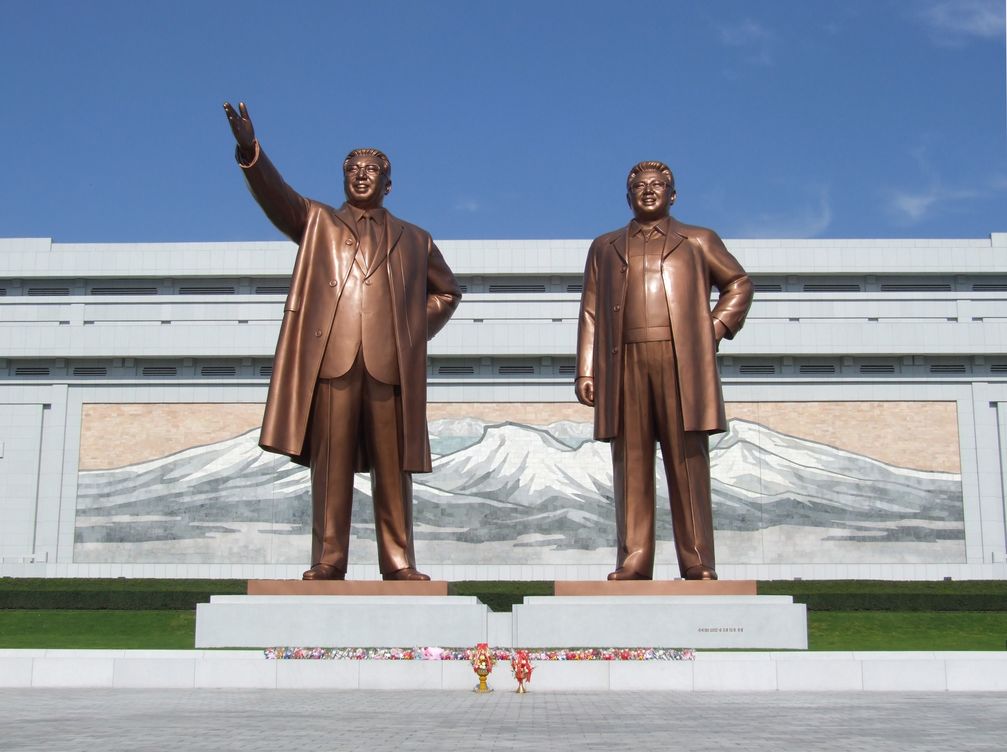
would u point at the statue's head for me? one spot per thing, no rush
(367, 177)
(650, 190)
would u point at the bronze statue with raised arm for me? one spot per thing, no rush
(348, 390)
(646, 361)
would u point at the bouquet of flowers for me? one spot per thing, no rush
(482, 663)
(520, 666)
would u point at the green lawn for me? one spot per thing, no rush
(150, 630)
(827, 630)
(913, 630)
(96, 584)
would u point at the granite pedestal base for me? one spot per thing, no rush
(654, 587)
(342, 621)
(346, 587)
(714, 621)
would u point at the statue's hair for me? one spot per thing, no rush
(386, 165)
(656, 166)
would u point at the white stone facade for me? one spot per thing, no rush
(835, 321)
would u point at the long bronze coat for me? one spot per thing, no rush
(424, 294)
(694, 261)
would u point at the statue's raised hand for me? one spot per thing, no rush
(241, 126)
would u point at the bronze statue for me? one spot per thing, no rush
(646, 362)
(348, 390)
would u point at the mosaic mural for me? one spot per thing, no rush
(792, 483)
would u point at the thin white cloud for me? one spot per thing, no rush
(910, 206)
(469, 205)
(807, 221)
(955, 22)
(753, 39)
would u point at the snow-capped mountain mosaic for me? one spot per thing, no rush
(508, 493)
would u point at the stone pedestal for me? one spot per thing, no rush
(346, 587)
(714, 621)
(675, 613)
(655, 587)
(343, 621)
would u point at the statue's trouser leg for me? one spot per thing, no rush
(652, 412)
(392, 488)
(686, 466)
(335, 430)
(633, 467)
(347, 410)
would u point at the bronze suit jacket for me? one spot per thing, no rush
(694, 261)
(424, 295)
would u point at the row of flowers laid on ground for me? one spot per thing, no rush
(465, 654)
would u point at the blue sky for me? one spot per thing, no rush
(780, 118)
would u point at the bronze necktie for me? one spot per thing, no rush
(368, 240)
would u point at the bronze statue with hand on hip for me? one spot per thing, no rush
(646, 363)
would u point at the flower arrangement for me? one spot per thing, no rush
(521, 668)
(467, 654)
(483, 661)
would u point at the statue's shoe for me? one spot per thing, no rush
(700, 573)
(408, 574)
(324, 572)
(622, 573)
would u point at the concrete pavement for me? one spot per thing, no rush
(414, 721)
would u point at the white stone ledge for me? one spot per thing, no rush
(41, 258)
(798, 671)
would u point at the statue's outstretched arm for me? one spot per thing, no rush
(285, 207)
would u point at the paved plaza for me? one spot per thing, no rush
(191, 720)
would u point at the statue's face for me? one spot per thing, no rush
(364, 182)
(649, 195)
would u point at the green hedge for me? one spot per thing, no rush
(501, 595)
(118, 594)
(880, 595)
(159, 595)
(819, 595)
(901, 602)
(117, 600)
(94, 584)
(947, 587)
